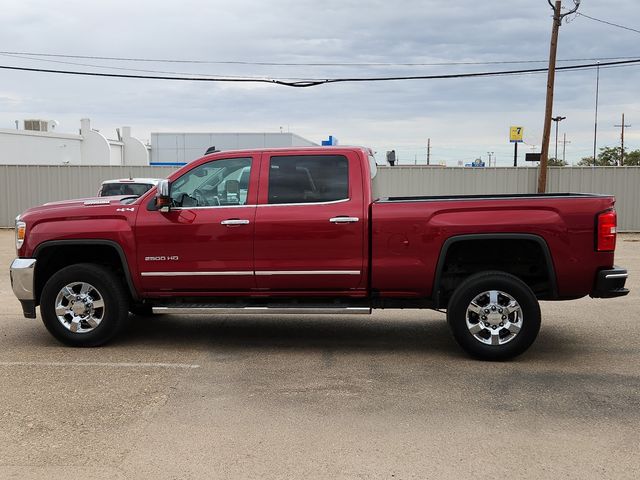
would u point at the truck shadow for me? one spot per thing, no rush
(304, 333)
(338, 333)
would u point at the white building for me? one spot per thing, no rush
(46, 146)
(181, 148)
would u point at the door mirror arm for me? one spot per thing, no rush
(163, 200)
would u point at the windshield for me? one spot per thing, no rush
(113, 189)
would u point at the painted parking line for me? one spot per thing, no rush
(101, 364)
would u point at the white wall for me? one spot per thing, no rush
(95, 146)
(184, 147)
(25, 147)
(135, 152)
(116, 153)
(39, 148)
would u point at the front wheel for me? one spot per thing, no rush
(84, 305)
(494, 315)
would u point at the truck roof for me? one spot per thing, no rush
(325, 148)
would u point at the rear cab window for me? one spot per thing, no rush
(308, 179)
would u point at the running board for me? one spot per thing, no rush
(212, 310)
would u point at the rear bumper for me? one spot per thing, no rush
(22, 273)
(610, 283)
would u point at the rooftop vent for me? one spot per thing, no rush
(36, 125)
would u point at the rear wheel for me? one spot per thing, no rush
(494, 316)
(84, 305)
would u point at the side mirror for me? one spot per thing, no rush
(163, 200)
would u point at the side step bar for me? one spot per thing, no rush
(212, 310)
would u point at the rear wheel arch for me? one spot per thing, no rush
(441, 296)
(54, 255)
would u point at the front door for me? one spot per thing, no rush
(309, 233)
(204, 244)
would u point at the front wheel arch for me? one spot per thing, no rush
(53, 255)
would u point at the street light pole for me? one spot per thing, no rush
(557, 119)
(595, 124)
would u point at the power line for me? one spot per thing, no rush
(608, 23)
(305, 64)
(137, 69)
(315, 82)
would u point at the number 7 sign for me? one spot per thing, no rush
(515, 134)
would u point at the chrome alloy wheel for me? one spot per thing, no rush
(79, 307)
(494, 317)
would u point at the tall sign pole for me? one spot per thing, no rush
(515, 137)
(551, 76)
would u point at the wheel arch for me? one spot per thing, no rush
(45, 250)
(514, 237)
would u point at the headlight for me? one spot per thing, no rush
(21, 232)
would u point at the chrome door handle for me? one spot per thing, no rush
(234, 221)
(344, 219)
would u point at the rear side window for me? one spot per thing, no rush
(308, 179)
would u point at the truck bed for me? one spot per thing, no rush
(409, 236)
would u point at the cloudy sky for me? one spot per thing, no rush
(465, 118)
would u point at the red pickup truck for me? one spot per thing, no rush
(302, 230)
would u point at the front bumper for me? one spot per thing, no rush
(22, 274)
(610, 283)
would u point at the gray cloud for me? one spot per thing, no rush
(465, 118)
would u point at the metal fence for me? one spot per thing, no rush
(24, 186)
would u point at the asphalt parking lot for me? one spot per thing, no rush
(386, 396)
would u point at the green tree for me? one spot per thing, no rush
(556, 162)
(608, 157)
(632, 158)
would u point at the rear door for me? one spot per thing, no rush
(309, 233)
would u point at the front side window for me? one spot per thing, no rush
(308, 179)
(213, 184)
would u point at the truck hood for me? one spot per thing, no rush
(78, 206)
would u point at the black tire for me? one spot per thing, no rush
(112, 292)
(475, 286)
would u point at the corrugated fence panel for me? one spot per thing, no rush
(623, 182)
(402, 181)
(23, 186)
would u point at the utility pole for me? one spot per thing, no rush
(551, 75)
(428, 151)
(489, 153)
(622, 126)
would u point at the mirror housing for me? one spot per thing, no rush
(163, 200)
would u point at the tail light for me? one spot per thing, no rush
(606, 231)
